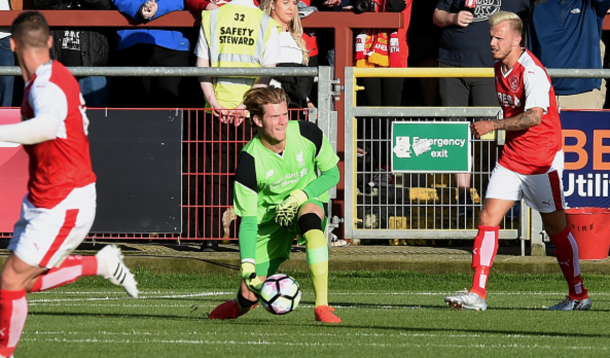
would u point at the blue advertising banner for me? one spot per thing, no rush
(586, 178)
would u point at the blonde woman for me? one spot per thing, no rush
(293, 52)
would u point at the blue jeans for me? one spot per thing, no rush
(95, 90)
(6, 82)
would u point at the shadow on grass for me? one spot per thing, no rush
(416, 330)
(418, 306)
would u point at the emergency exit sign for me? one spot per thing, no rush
(431, 147)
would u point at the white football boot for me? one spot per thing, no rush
(572, 305)
(118, 273)
(466, 301)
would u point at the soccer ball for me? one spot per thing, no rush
(280, 294)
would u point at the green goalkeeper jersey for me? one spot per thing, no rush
(264, 178)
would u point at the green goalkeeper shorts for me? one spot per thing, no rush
(274, 243)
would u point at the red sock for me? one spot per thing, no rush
(566, 252)
(69, 271)
(13, 312)
(483, 254)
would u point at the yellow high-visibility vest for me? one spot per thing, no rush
(236, 36)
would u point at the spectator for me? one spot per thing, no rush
(197, 6)
(372, 50)
(465, 43)
(568, 35)
(225, 95)
(424, 38)
(325, 37)
(73, 47)
(6, 59)
(152, 47)
(294, 52)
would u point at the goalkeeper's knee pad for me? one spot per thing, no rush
(310, 221)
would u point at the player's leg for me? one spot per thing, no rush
(73, 218)
(15, 277)
(566, 252)
(503, 190)
(273, 246)
(310, 226)
(545, 194)
(107, 263)
(245, 301)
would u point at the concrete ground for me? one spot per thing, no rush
(187, 258)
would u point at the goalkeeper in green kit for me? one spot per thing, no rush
(278, 195)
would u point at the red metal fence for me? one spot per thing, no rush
(209, 157)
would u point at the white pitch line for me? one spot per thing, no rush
(350, 344)
(358, 335)
(158, 295)
(107, 298)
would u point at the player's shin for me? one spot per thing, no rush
(317, 255)
(566, 252)
(73, 267)
(483, 254)
(13, 312)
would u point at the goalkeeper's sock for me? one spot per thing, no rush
(69, 271)
(317, 256)
(483, 254)
(13, 312)
(244, 303)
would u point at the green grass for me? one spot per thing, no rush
(387, 314)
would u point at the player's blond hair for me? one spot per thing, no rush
(514, 20)
(30, 29)
(294, 26)
(256, 98)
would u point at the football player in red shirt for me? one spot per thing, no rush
(530, 167)
(59, 208)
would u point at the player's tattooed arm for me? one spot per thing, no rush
(530, 118)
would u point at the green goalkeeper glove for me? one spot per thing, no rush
(248, 274)
(286, 212)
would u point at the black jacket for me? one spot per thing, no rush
(95, 44)
(297, 88)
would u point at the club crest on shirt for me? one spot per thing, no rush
(300, 160)
(513, 82)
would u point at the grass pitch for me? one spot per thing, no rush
(385, 314)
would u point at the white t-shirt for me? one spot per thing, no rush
(271, 54)
(290, 52)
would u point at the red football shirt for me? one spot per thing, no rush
(527, 85)
(62, 164)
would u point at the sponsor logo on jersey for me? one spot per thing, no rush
(507, 100)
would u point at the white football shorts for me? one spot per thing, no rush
(45, 237)
(542, 192)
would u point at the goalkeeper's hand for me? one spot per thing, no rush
(248, 274)
(286, 212)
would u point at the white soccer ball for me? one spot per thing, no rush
(280, 294)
